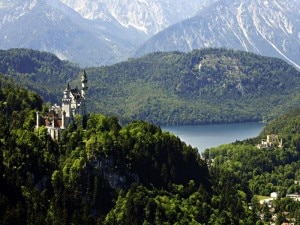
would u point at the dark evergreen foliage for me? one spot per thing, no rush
(203, 86)
(78, 179)
(42, 72)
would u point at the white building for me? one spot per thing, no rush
(274, 195)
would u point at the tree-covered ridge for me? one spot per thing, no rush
(42, 72)
(202, 86)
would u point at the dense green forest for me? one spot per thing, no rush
(203, 86)
(266, 170)
(41, 72)
(105, 173)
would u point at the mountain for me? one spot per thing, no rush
(66, 180)
(105, 173)
(103, 32)
(270, 28)
(52, 26)
(202, 86)
(90, 33)
(148, 17)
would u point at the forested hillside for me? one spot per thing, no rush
(266, 170)
(78, 179)
(203, 86)
(105, 173)
(42, 72)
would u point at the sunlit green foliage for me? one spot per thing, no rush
(104, 173)
(77, 179)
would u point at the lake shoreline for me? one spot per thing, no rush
(213, 135)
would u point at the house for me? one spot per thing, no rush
(274, 195)
(295, 196)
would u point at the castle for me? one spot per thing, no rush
(59, 117)
(272, 141)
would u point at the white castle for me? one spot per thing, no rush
(59, 117)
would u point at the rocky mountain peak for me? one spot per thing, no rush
(270, 28)
(149, 16)
(101, 32)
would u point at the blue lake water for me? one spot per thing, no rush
(207, 136)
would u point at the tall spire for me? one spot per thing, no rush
(84, 86)
(67, 92)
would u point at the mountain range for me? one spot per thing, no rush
(270, 28)
(102, 32)
(54, 27)
(89, 32)
(148, 17)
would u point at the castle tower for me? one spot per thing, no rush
(37, 119)
(63, 120)
(84, 88)
(66, 106)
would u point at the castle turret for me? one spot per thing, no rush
(84, 87)
(66, 105)
(63, 120)
(37, 119)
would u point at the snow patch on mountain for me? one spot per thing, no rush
(15, 9)
(148, 16)
(265, 27)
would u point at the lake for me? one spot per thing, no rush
(207, 136)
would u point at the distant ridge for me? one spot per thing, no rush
(202, 86)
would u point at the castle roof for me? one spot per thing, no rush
(76, 93)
